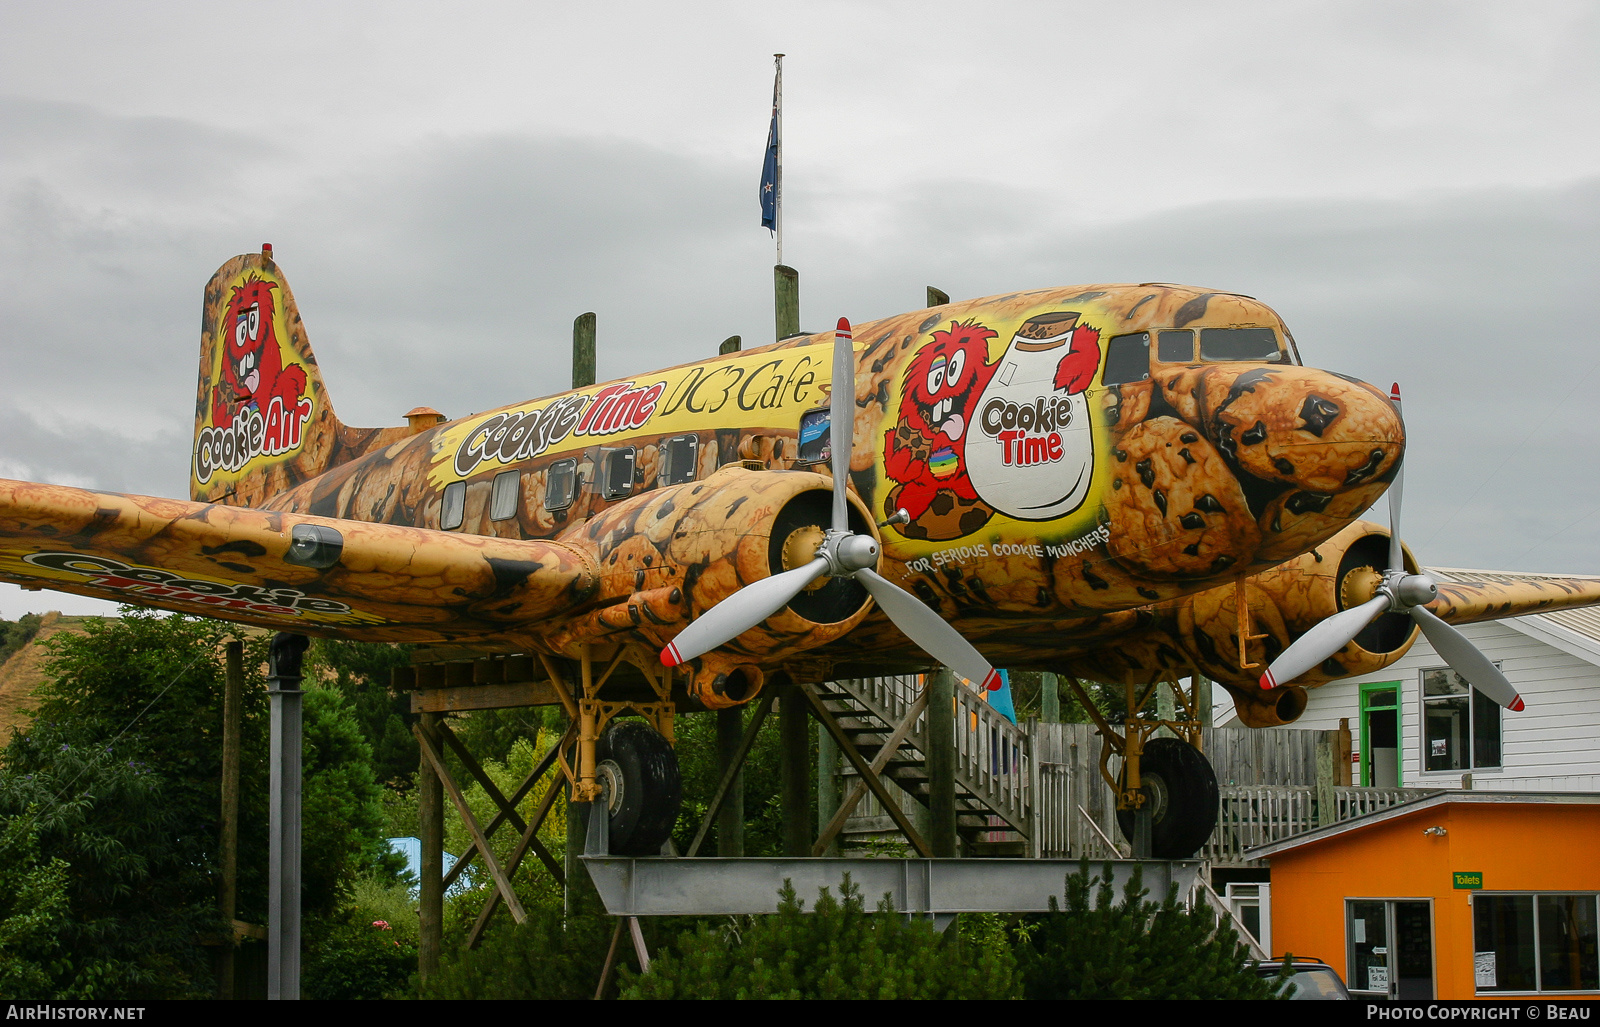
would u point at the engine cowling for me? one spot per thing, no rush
(674, 553)
(1286, 602)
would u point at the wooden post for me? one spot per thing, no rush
(583, 350)
(228, 899)
(1343, 771)
(943, 839)
(786, 299)
(1049, 694)
(729, 345)
(730, 819)
(937, 297)
(795, 764)
(1327, 811)
(1202, 705)
(430, 826)
(827, 785)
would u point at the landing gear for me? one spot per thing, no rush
(640, 786)
(1170, 777)
(1180, 790)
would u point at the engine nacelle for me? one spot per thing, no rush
(1284, 604)
(674, 553)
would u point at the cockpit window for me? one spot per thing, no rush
(1255, 344)
(1175, 346)
(1127, 359)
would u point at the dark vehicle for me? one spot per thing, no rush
(1312, 979)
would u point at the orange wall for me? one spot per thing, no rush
(1518, 848)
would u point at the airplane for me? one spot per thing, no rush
(1130, 483)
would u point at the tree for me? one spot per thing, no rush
(118, 779)
(1134, 948)
(839, 951)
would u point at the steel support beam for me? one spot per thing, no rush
(283, 877)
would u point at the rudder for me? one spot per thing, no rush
(263, 420)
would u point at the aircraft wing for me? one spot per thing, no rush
(1466, 597)
(289, 572)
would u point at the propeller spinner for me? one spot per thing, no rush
(1402, 593)
(842, 554)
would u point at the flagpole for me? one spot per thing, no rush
(777, 103)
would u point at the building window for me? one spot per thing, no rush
(454, 508)
(1389, 947)
(1460, 725)
(504, 494)
(1251, 902)
(1535, 943)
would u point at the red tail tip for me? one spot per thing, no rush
(1267, 681)
(1516, 705)
(669, 655)
(1394, 392)
(992, 683)
(844, 326)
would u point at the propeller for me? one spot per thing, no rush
(1402, 593)
(842, 554)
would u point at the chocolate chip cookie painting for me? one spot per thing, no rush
(1126, 443)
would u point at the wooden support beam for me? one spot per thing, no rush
(890, 805)
(431, 754)
(529, 840)
(232, 706)
(484, 780)
(508, 810)
(730, 821)
(484, 697)
(734, 766)
(583, 350)
(795, 777)
(430, 826)
(902, 731)
(786, 300)
(940, 687)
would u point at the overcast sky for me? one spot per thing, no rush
(1415, 187)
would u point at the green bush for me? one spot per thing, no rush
(840, 951)
(548, 956)
(1134, 948)
(353, 958)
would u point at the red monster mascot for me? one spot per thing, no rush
(925, 452)
(252, 366)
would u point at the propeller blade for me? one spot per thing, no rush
(1396, 555)
(740, 612)
(842, 419)
(1465, 659)
(1322, 641)
(929, 630)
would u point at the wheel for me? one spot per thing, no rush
(1181, 789)
(640, 786)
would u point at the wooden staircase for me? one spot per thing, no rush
(992, 756)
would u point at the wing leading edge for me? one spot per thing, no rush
(289, 572)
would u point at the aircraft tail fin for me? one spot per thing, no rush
(263, 421)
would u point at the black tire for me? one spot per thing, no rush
(644, 788)
(1179, 779)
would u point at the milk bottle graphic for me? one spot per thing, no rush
(1030, 454)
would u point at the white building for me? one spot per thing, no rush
(1418, 725)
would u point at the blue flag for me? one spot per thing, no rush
(769, 174)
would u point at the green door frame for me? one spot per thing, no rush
(1366, 751)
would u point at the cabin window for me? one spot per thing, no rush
(503, 496)
(1175, 346)
(1256, 344)
(1127, 359)
(617, 476)
(1535, 943)
(815, 442)
(454, 508)
(679, 458)
(1460, 725)
(560, 485)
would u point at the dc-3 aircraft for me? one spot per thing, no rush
(1127, 483)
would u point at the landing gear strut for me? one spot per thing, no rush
(1167, 778)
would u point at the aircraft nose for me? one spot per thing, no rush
(1318, 431)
